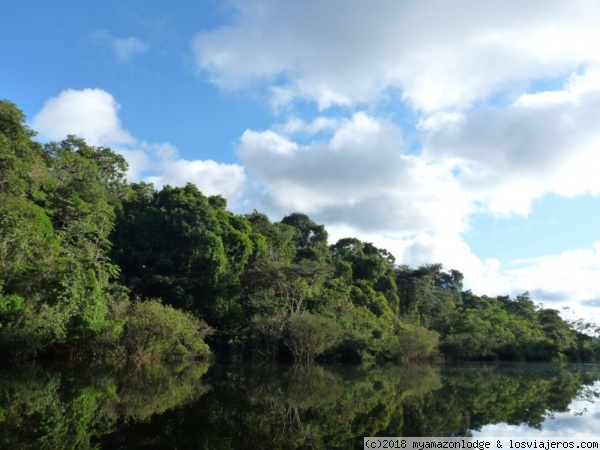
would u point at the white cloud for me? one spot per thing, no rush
(440, 57)
(360, 174)
(570, 275)
(93, 115)
(542, 143)
(210, 177)
(124, 49)
(89, 113)
(497, 160)
(438, 54)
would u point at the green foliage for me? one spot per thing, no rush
(267, 334)
(154, 332)
(21, 160)
(363, 294)
(335, 406)
(413, 343)
(371, 271)
(26, 327)
(309, 336)
(28, 245)
(429, 296)
(185, 248)
(72, 409)
(309, 237)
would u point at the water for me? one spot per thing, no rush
(265, 406)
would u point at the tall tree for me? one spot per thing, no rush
(186, 248)
(310, 238)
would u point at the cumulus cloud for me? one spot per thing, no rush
(89, 113)
(562, 277)
(498, 160)
(211, 177)
(360, 174)
(436, 54)
(93, 114)
(441, 61)
(542, 143)
(124, 49)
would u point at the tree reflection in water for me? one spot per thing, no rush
(270, 406)
(42, 408)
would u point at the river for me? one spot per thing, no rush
(252, 406)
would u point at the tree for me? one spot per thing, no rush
(417, 343)
(22, 166)
(310, 238)
(372, 269)
(185, 248)
(87, 183)
(428, 295)
(309, 336)
(57, 206)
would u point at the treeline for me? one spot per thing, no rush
(93, 265)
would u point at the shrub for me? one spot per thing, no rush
(470, 346)
(418, 343)
(27, 328)
(412, 343)
(267, 335)
(154, 331)
(309, 336)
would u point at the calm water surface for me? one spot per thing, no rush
(269, 406)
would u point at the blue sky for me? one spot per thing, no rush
(464, 132)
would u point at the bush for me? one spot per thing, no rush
(309, 336)
(267, 335)
(413, 343)
(418, 343)
(154, 331)
(470, 346)
(27, 328)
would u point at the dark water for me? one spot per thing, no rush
(216, 406)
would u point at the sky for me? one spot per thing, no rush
(465, 133)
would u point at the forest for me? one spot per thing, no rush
(95, 266)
